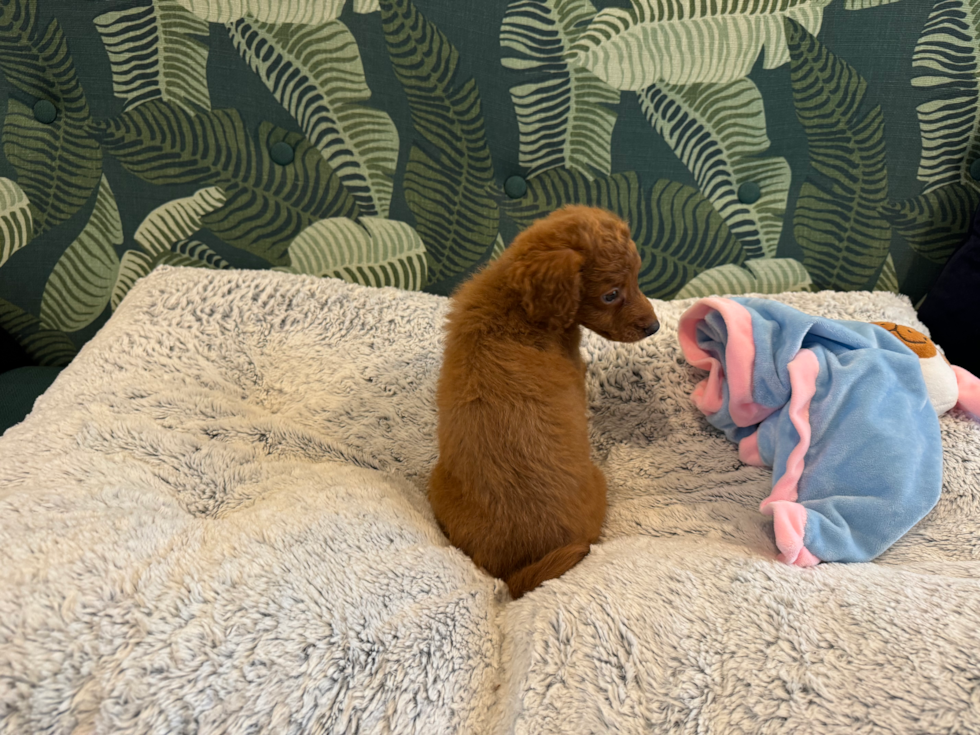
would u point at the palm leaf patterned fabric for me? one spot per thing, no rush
(752, 145)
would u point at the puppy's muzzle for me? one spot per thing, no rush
(652, 328)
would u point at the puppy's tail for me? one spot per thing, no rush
(553, 564)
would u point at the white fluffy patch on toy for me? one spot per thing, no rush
(940, 382)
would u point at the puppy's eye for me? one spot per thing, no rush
(611, 296)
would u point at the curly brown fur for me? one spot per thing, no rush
(514, 487)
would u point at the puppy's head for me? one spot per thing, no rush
(580, 266)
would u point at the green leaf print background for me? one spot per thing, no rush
(769, 145)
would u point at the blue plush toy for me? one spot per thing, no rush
(845, 413)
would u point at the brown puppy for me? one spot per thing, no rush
(514, 487)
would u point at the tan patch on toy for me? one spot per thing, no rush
(913, 339)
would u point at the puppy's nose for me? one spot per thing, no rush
(652, 328)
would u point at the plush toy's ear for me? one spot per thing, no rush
(550, 283)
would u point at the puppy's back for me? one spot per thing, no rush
(513, 441)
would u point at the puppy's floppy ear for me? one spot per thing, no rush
(550, 283)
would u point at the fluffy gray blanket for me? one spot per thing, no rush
(215, 522)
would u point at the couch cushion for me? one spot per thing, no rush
(374, 140)
(191, 532)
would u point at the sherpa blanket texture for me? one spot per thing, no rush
(215, 522)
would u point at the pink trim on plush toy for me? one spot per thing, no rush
(788, 516)
(739, 358)
(748, 450)
(789, 523)
(968, 386)
(803, 370)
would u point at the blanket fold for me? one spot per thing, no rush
(838, 409)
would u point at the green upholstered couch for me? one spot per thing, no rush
(199, 547)
(763, 146)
